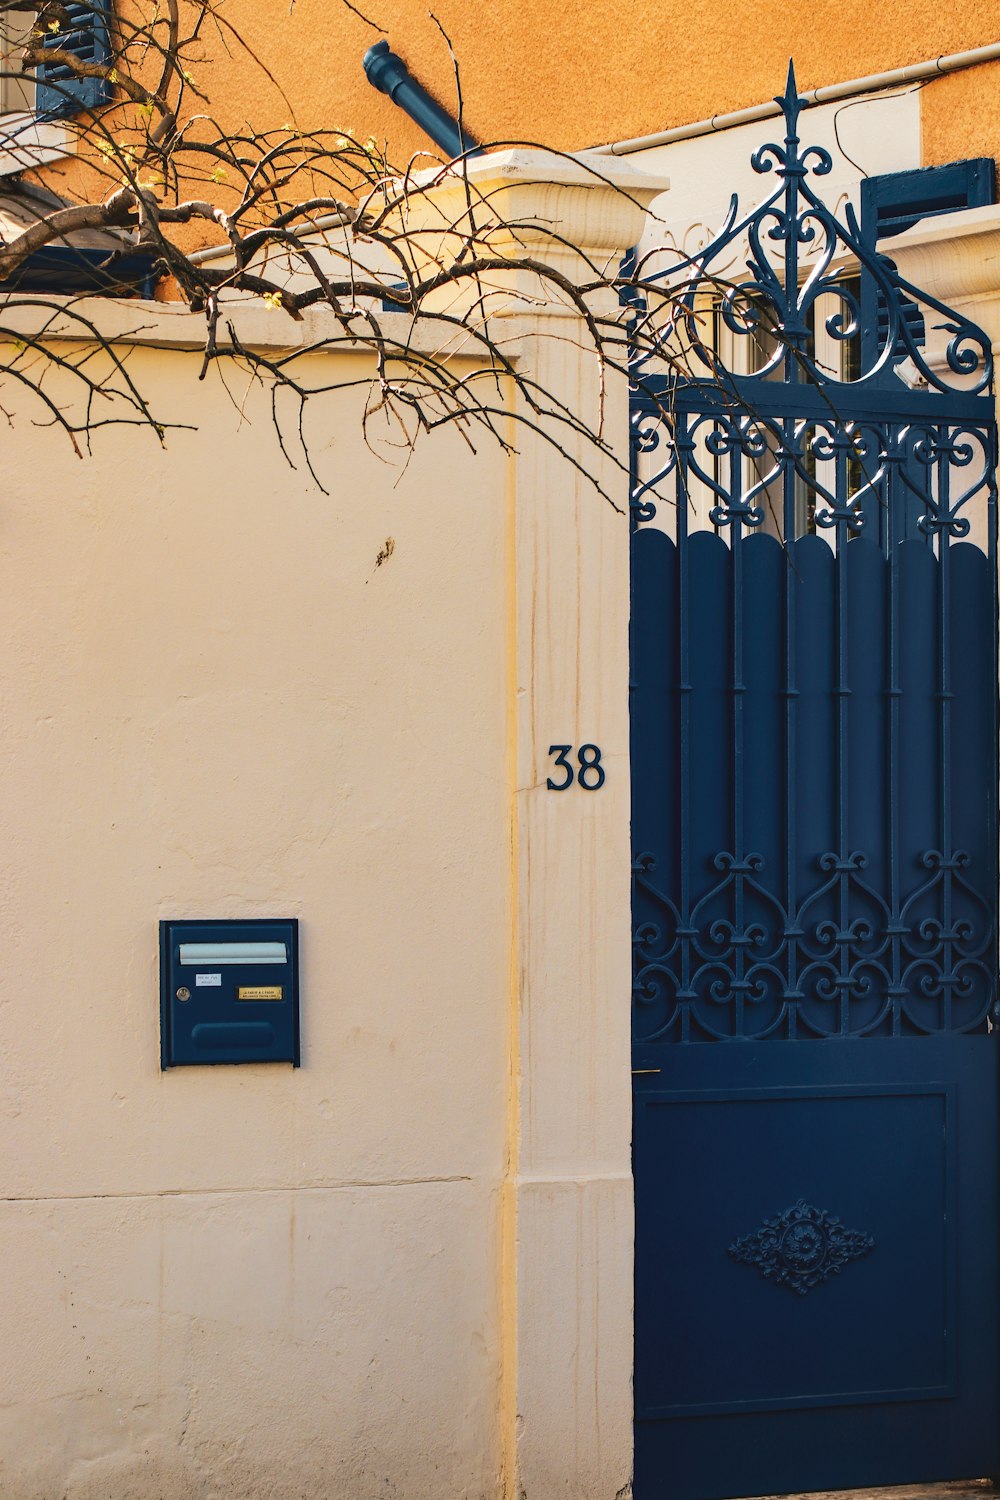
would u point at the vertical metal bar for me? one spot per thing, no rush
(788, 539)
(739, 477)
(633, 460)
(889, 530)
(944, 718)
(684, 719)
(990, 445)
(893, 512)
(792, 328)
(842, 692)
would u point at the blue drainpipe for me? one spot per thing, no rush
(389, 74)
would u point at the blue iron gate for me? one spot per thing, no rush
(814, 727)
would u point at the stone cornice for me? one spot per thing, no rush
(956, 257)
(573, 214)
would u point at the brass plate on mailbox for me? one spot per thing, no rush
(259, 992)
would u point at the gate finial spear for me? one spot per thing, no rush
(791, 101)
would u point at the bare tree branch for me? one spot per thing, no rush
(306, 219)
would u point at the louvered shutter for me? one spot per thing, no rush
(889, 204)
(87, 35)
(896, 201)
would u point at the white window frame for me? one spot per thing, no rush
(25, 140)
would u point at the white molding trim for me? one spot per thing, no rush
(26, 141)
(956, 257)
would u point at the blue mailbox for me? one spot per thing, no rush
(229, 992)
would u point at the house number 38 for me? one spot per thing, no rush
(590, 774)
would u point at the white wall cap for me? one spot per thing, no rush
(951, 255)
(171, 325)
(577, 215)
(524, 165)
(26, 141)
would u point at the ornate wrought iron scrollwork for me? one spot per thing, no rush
(889, 931)
(802, 1247)
(840, 964)
(791, 287)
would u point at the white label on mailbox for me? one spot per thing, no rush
(203, 979)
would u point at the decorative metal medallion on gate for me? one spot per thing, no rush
(814, 506)
(801, 1247)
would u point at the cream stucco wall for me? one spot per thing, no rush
(240, 1281)
(405, 1270)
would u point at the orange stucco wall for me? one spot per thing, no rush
(961, 114)
(574, 74)
(577, 74)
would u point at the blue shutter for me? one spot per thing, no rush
(58, 91)
(896, 201)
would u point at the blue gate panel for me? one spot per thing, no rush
(812, 896)
(973, 738)
(816, 1278)
(915, 747)
(760, 629)
(710, 756)
(814, 826)
(811, 821)
(654, 746)
(839, 1325)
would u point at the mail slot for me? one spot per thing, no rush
(229, 992)
(234, 953)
